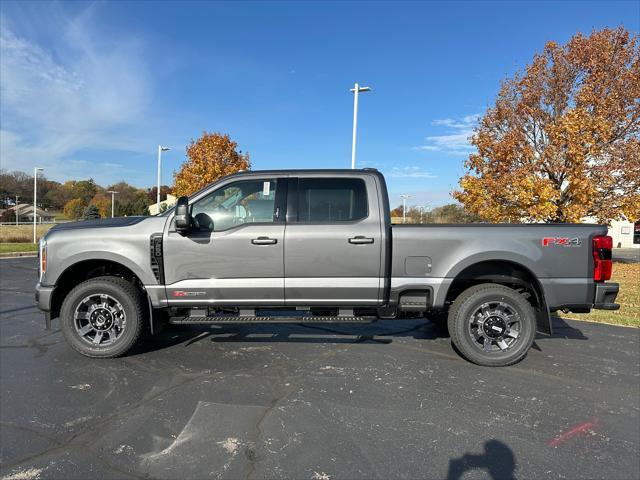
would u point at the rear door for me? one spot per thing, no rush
(333, 241)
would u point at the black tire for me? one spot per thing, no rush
(125, 298)
(483, 321)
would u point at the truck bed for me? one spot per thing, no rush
(438, 253)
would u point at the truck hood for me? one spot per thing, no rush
(100, 223)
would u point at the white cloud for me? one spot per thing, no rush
(75, 94)
(455, 141)
(410, 172)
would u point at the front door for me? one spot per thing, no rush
(333, 242)
(234, 255)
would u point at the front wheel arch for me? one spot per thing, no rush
(85, 270)
(74, 317)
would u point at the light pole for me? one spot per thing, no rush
(356, 90)
(160, 150)
(35, 192)
(421, 207)
(112, 200)
(404, 207)
(16, 212)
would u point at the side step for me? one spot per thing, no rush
(216, 319)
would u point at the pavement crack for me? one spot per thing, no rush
(250, 454)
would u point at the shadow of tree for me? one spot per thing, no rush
(498, 459)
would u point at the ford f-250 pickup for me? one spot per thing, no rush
(316, 246)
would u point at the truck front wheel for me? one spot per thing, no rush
(103, 317)
(492, 325)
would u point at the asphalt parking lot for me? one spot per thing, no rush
(387, 400)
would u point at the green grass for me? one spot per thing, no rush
(628, 276)
(18, 247)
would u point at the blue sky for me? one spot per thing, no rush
(91, 89)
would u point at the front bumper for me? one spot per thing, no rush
(44, 295)
(605, 297)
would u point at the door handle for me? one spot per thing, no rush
(360, 240)
(264, 241)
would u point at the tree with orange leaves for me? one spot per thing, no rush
(562, 141)
(212, 156)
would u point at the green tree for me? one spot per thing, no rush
(91, 212)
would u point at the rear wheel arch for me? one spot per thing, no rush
(510, 274)
(492, 325)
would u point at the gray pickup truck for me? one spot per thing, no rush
(316, 246)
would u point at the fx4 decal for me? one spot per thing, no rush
(560, 242)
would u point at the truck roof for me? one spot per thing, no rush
(306, 170)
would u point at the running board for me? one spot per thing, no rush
(216, 319)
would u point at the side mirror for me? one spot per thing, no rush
(183, 219)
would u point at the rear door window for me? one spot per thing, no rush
(330, 200)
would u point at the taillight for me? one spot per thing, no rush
(602, 263)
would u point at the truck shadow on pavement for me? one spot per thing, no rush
(562, 329)
(497, 459)
(381, 332)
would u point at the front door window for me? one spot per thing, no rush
(245, 201)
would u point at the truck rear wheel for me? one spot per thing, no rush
(103, 317)
(492, 325)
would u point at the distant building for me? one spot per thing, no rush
(165, 204)
(625, 234)
(25, 214)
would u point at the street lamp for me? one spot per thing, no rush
(356, 90)
(160, 150)
(404, 207)
(421, 207)
(35, 192)
(16, 210)
(112, 200)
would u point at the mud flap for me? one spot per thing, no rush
(543, 320)
(151, 325)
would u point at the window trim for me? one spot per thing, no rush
(293, 201)
(280, 201)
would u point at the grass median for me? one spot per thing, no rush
(628, 276)
(18, 247)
